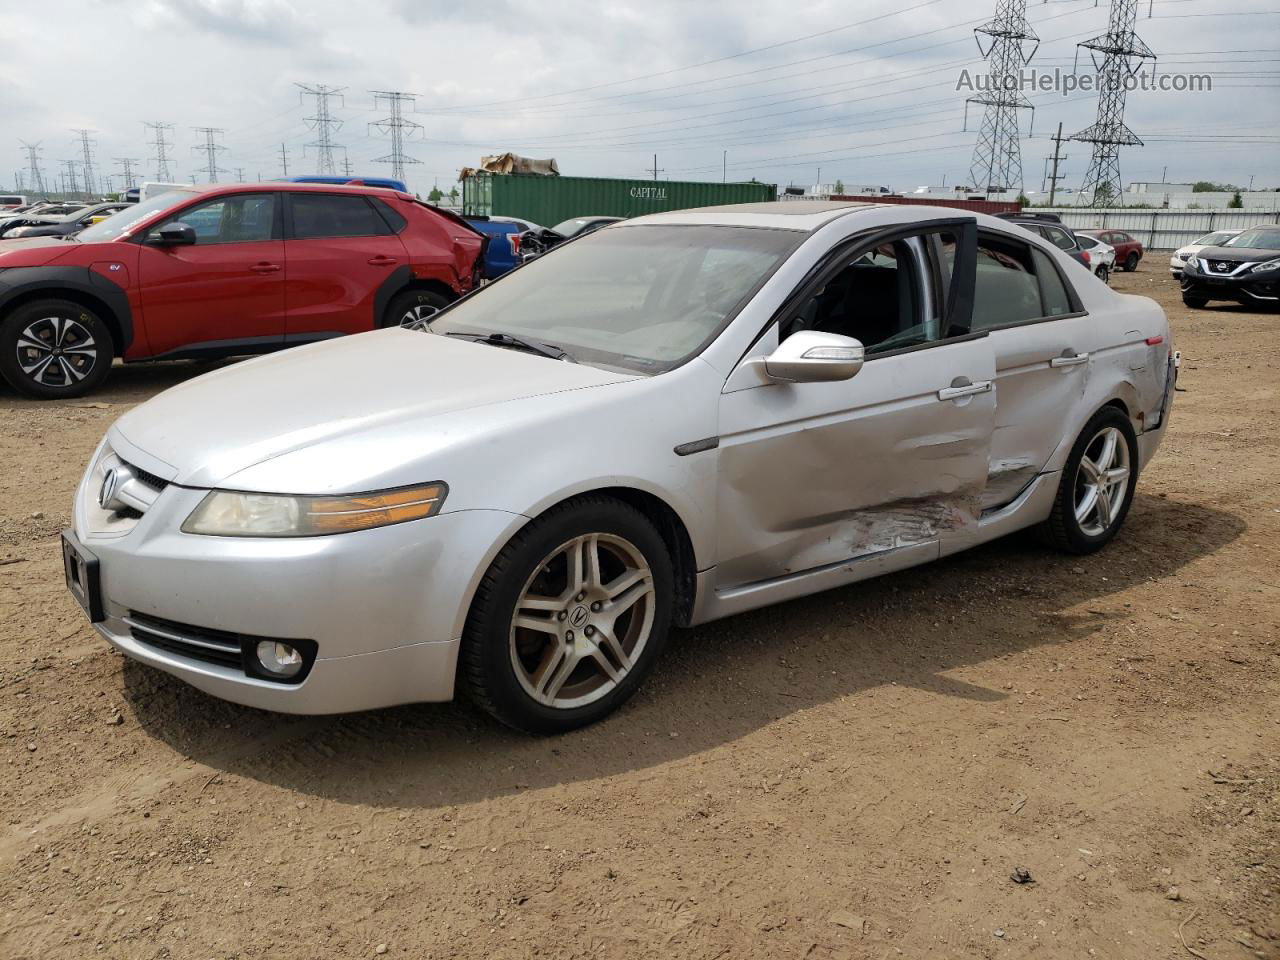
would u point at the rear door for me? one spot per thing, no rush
(225, 292)
(340, 250)
(1042, 339)
(816, 476)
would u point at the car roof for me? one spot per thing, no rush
(806, 215)
(286, 186)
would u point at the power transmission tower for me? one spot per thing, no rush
(69, 182)
(284, 160)
(17, 180)
(33, 165)
(239, 174)
(211, 149)
(127, 163)
(1057, 158)
(323, 123)
(395, 126)
(346, 166)
(1123, 54)
(87, 146)
(997, 156)
(161, 143)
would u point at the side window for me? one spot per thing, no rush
(330, 215)
(1015, 283)
(882, 297)
(390, 214)
(242, 218)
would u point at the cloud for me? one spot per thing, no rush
(273, 23)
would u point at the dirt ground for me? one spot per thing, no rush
(856, 774)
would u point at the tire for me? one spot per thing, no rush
(420, 305)
(551, 679)
(1131, 262)
(76, 361)
(1071, 527)
(1195, 303)
(1103, 274)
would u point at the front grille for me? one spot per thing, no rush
(150, 479)
(198, 643)
(1222, 266)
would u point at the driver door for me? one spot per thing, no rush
(832, 482)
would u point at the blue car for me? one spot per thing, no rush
(503, 250)
(386, 182)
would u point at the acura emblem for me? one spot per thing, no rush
(579, 616)
(108, 490)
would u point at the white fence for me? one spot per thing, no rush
(1160, 229)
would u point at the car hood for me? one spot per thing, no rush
(1242, 254)
(204, 431)
(28, 252)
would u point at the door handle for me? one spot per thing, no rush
(381, 261)
(265, 268)
(1069, 359)
(963, 387)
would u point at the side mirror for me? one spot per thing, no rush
(173, 235)
(810, 357)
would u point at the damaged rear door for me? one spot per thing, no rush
(823, 478)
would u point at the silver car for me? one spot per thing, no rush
(674, 419)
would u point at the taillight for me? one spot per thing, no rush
(1085, 254)
(514, 240)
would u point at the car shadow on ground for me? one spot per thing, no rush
(715, 683)
(130, 383)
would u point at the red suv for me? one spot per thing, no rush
(1128, 250)
(223, 271)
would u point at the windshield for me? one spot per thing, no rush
(1214, 239)
(571, 228)
(118, 223)
(642, 298)
(1262, 238)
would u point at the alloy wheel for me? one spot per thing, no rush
(582, 620)
(56, 351)
(418, 317)
(1102, 481)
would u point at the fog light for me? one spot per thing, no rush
(279, 659)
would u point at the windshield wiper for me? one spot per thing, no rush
(507, 340)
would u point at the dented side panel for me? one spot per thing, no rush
(822, 473)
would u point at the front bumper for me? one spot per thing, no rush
(1255, 289)
(385, 607)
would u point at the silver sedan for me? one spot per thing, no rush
(673, 419)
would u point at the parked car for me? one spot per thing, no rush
(1128, 250)
(224, 271)
(679, 418)
(33, 217)
(1102, 256)
(1049, 226)
(580, 226)
(1215, 239)
(12, 201)
(1245, 269)
(68, 224)
(502, 252)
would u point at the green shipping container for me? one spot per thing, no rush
(551, 200)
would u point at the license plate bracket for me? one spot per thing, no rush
(80, 568)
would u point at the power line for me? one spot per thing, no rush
(161, 143)
(395, 126)
(127, 163)
(1123, 53)
(86, 146)
(323, 123)
(211, 149)
(997, 156)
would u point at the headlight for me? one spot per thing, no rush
(1193, 262)
(226, 513)
(1268, 265)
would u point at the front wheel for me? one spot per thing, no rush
(1195, 303)
(413, 309)
(569, 617)
(1097, 484)
(1104, 274)
(1131, 262)
(51, 349)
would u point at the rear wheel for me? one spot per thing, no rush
(569, 618)
(1131, 262)
(54, 348)
(1195, 303)
(413, 309)
(1097, 485)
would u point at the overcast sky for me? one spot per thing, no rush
(864, 90)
